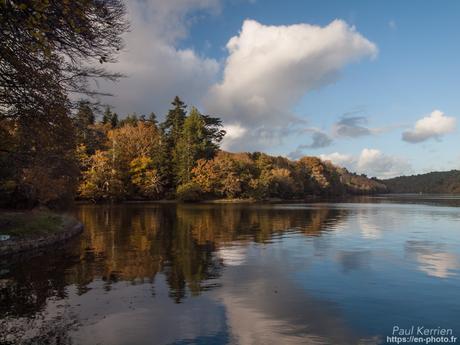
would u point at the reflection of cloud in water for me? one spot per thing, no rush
(339, 225)
(438, 264)
(433, 259)
(132, 316)
(373, 221)
(251, 326)
(368, 227)
(232, 256)
(272, 308)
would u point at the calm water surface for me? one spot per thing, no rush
(326, 273)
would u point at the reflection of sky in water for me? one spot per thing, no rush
(232, 255)
(342, 274)
(393, 280)
(433, 259)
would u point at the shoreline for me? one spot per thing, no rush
(308, 199)
(30, 242)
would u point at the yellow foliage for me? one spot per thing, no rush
(145, 177)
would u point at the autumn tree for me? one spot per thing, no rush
(101, 181)
(133, 151)
(131, 141)
(146, 178)
(281, 183)
(48, 50)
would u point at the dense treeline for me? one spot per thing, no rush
(138, 158)
(434, 182)
(53, 148)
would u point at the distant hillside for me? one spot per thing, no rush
(435, 182)
(360, 184)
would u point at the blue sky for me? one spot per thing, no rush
(383, 69)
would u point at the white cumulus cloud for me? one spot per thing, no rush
(340, 159)
(156, 69)
(434, 126)
(269, 68)
(233, 134)
(375, 163)
(371, 162)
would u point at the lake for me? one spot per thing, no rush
(320, 273)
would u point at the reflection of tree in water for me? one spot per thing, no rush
(136, 242)
(220, 225)
(27, 282)
(186, 263)
(26, 285)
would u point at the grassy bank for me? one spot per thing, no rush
(33, 223)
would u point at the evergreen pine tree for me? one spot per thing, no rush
(84, 118)
(190, 147)
(114, 120)
(171, 130)
(198, 138)
(172, 126)
(130, 119)
(107, 116)
(153, 118)
(85, 115)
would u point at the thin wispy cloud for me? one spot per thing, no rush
(392, 25)
(352, 127)
(318, 139)
(349, 126)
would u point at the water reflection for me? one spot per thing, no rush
(368, 224)
(237, 274)
(433, 259)
(135, 243)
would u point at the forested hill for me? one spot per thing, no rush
(434, 182)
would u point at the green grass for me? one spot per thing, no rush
(33, 223)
